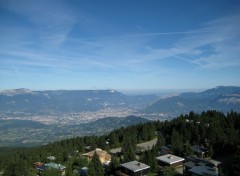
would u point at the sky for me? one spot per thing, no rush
(119, 44)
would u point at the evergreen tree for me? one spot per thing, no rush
(145, 135)
(177, 143)
(149, 159)
(18, 168)
(128, 149)
(169, 171)
(51, 172)
(236, 162)
(95, 166)
(187, 149)
(114, 164)
(160, 141)
(101, 142)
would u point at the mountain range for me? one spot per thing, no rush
(221, 98)
(25, 100)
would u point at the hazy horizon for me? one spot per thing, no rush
(158, 92)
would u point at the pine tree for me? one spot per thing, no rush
(51, 172)
(160, 141)
(236, 162)
(16, 169)
(114, 164)
(169, 171)
(177, 143)
(187, 149)
(95, 166)
(128, 149)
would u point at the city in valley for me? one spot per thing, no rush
(80, 117)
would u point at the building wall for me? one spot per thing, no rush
(139, 173)
(144, 172)
(173, 165)
(177, 164)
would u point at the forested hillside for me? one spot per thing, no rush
(220, 131)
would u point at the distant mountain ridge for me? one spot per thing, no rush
(221, 98)
(25, 100)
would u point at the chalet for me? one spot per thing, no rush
(134, 168)
(104, 157)
(170, 160)
(202, 171)
(199, 167)
(116, 151)
(200, 151)
(39, 166)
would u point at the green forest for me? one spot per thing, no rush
(220, 131)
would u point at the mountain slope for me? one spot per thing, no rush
(110, 123)
(220, 98)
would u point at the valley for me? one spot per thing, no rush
(31, 118)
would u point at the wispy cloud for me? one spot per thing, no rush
(167, 33)
(215, 45)
(52, 20)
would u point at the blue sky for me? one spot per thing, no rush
(119, 44)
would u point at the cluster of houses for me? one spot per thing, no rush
(189, 166)
(41, 167)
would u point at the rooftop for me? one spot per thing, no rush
(37, 164)
(102, 155)
(214, 162)
(135, 166)
(55, 166)
(51, 157)
(169, 159)
(203, 170)
(190, 164)
(166, 147)
(99, 152)
(116, 150)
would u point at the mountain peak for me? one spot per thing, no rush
(13, 92)
(113, 91)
